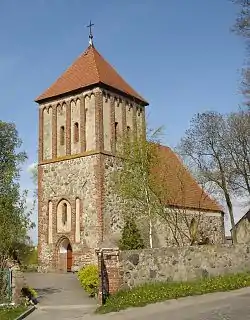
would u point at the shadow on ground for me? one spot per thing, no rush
(46, 291)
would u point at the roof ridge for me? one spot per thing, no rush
(96, 66)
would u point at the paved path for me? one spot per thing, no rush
(61, 296)
(233, 305)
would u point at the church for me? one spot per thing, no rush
(80, 116)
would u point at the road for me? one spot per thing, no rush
(233, 305)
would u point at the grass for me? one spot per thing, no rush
(11, 313)
(159, 291)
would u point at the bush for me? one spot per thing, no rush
(30, 294)
(89, 279)
(29, 268)
(160, 291)
(131, 238)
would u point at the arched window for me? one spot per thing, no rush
(63, 216)
(128, 132)
(64, 213)
(76, 132)
(116, 131)
(62, 136)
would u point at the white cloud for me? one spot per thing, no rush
(31, 167)
(240, 207)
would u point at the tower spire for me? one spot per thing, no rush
(90, 33)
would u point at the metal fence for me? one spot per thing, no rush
(5, 286)
(104, 280)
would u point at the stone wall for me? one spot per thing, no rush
(210, 228)
(243, 230)
(131, 268)
(18, 283)
(182, 263)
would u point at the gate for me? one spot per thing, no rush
(104, 280)
(5, 286)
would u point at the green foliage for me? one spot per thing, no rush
(89, 279)
(131, 238)
(33, 257)
(160, 291)
(132, 180)
(29, 256)
(25, 253)
(133, 177)
(11, 312)
(14, 219)
(30, 291)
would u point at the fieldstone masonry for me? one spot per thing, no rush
(17, 283)
(131, 268)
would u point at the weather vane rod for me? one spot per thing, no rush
(90, 33)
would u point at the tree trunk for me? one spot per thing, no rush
(228, 201)
(150, 221)
(150, 234)
(231, 215)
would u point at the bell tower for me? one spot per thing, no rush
(80, 116)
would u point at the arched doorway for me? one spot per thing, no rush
(69, 258)
(65, 257)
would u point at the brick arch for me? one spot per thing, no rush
(63, 254)
(60, 227)
(62, 199)
(59, 242)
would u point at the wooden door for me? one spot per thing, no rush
(69, 258)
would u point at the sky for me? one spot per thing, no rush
(179, 55)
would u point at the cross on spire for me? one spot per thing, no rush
(90, 33)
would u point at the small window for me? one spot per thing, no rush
(64, 213)
(62, 136)
(128, 132)
(76, 132)
(116, 131)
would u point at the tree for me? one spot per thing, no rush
(242, 24)
(14, 219)
(203, 145)
(242, 28)
(131, 238)
(132, 177)
(141, 179)
(236, 143)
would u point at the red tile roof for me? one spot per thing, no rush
(89, 69)
(179, 188)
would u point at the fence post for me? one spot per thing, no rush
(109, 272)
(17, 283)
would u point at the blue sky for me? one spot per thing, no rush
(180, 55)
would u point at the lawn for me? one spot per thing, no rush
(11, 313)
(160, 291)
